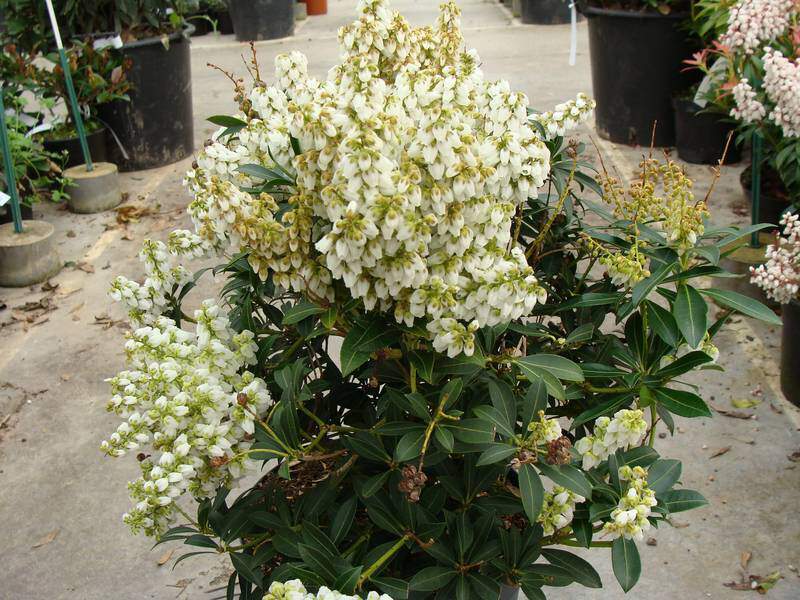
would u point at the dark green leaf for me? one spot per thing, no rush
(691, 314)
(244, 565)
(343, 520)
(226, 121)
(431, 579)
(663, 474)
(300, 311)
(569, 477)
(532, 492)
(579, 569)
(495, 453)
(626, 562)
(685, 404)
(680, 500)
(409, 447)
(558, 366)
(684, 364)
(743, 304)
(347, 581)
(472, 431)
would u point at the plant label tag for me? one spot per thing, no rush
(4, 198)
(114, 41)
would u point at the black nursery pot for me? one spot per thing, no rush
(545, 12)
(636, 71)
(95, 140)
(771, 204)
(156, 127)
(790, 352)
(701, 136)
(224, 22)
(262, 19)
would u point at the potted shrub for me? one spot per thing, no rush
(262, 19)
(637, 48)
(442, 392)
(779, 277)
(751, 71)
(38, 173)
(545, 12)
(155, 127)
(99, 77)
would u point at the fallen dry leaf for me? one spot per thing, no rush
(745, 402)
(76, 308)
(744, 559)
(84, 266)
(66, 377)
(46, 539)
(132, 213)
(652, 541)
(794, 456)
(735, 414)
(720, 452)
(165, 557)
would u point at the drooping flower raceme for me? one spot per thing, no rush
(629, 519)
(779, 277)
(295, 590)
(754, 22)
(626, 429)
(558, 509)
(409, 168)
(188, 399)
(782, 85)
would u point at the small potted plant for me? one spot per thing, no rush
(637, 49)
(99, 77)
(262, 19)
(38, 172)
(445, 367)
(779, 277)
(155, 127)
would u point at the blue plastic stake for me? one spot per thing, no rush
(73, 99)
(8, 164)
(755, 191)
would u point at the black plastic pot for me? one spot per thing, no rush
(545, 12)
(25, 211)
(790, 352)
(262, 19)
(224, 22)
(701, 136)
(636, 71)
(771, 205)
(201, 24)
(97, 147)
(156, 127)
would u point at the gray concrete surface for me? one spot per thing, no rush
(61, 500)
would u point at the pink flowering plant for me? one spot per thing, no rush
(442, 376)
(753, 73)
(779, 277)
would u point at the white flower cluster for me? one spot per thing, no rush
(558, 509)
(626, 429)
(782, 85)
(187, 397)
(779, 277)
(146, 301)
(545, 430)
(629, 519)
(410, 172)
(565, 116)
(748, 107)
(295, 590)
(754, 22)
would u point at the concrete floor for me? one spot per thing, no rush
(61, 500)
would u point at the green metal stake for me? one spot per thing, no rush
(73, 99)
(8, 162)
(755, 191)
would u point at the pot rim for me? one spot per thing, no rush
(102, 130)
(595, 11)
(188, 29)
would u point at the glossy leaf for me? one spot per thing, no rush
(626, 562)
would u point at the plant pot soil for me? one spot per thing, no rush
(790, 352)
(25, 210)
(316, 7)
(545, 12)
(636, 62)
(262, 19)
(774, 197)
(701, 136)
(156, 127)
(95, 140)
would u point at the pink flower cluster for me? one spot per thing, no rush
(782, 84)
(779, 277)
(753, 22)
